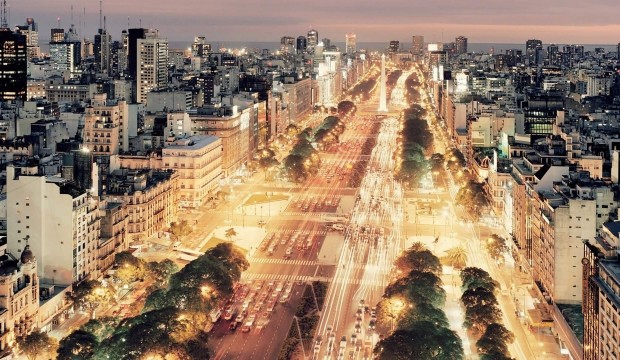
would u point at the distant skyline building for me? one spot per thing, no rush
(534, 51)
(57, 35)
(302, 44)
(287, 44)
(417, 46)
(13, 65)
(461, 45)
(351, 43)
(312, 40)
(102, 50)
(152, 65)
(394, 46)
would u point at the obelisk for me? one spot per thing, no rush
(382, 92)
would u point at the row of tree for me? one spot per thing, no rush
(416, 139)
(363, 89)
(483, 315)
(303, 160)
(175, 315)
(328, 132)
(412, 307)
(412, 85)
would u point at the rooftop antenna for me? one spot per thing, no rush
(58, 21)
(100, 13)
(128, 23)
(4, 23)
(72, 22)
(104, 24)
(140, 23)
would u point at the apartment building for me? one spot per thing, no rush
(58, 220)
(151, 198)
(198, 161)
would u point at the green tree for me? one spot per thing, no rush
(477, 297)
(89, 294)
(456, 257)
(230, 233)
(180, 229)
(295, 167)
(418, 287)
(128, 268)
(418, 260)
(478, 317)
(346, 107)
(474, 198)
(160, 272)
(231, 257)
(37, 344)
(495, 340)
(101, 328)
(422, 312)
(496, 247)
(423, 341)
(79, 345)
(473, 277)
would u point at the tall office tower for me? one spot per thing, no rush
(540, 112)
(553, 57)
(103, 51)
(67, 54)
(417, 46)
(198, 46)
(313, 40)
(287, 44)
(151, 66)
(30, 30)
(461, 45)
(533, 51)
(13, 65)
(132, 53)
(122, 54)
(57, 35)
(394, 46)
(351, 43)
(302, 44)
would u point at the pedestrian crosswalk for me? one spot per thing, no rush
(306, 278)
(302, 233)
(258, 260)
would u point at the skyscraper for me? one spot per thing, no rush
(13, 65)
(132, 53)
(351, 43)
(66, 54)
(417, 46)
(287, 44)
(533, 51)
(302, 44)
(57, 35)
(461, 45)
(394, 46)
(30, 30)
(102, 50)
(312, 40)
(152, 65)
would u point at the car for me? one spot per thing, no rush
(343, 342)
(358, 320)
(358, 313)
(229, 313)
(371, 325)
(358, 328)
(239, 318)
(233, 326)
(353, 339)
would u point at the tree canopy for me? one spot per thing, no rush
(37, 344)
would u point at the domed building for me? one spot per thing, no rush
(19, 297)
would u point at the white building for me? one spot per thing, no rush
(198, 161)
(60, 223)
(152, 72)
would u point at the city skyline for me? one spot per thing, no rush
(558, 22)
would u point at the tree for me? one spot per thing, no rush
(477, 297)
(455, 160)
(473, 197)
(231, 257)
(230, 233)
(90, 294)
(418, 260)
(346, 107)
(423, 341)
(128, 268)
(496, 247)
(418, 287)
(437, 162)
(37, 343)
(495, 340)
(101, 328)
(180, 229)
(295, 167)
(422, 312)
(479, 317)
(160, 272)
(79, 345)
(456, 257)
(473, 277)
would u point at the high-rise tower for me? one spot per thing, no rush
(351, 43)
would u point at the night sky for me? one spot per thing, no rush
(482, 21)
